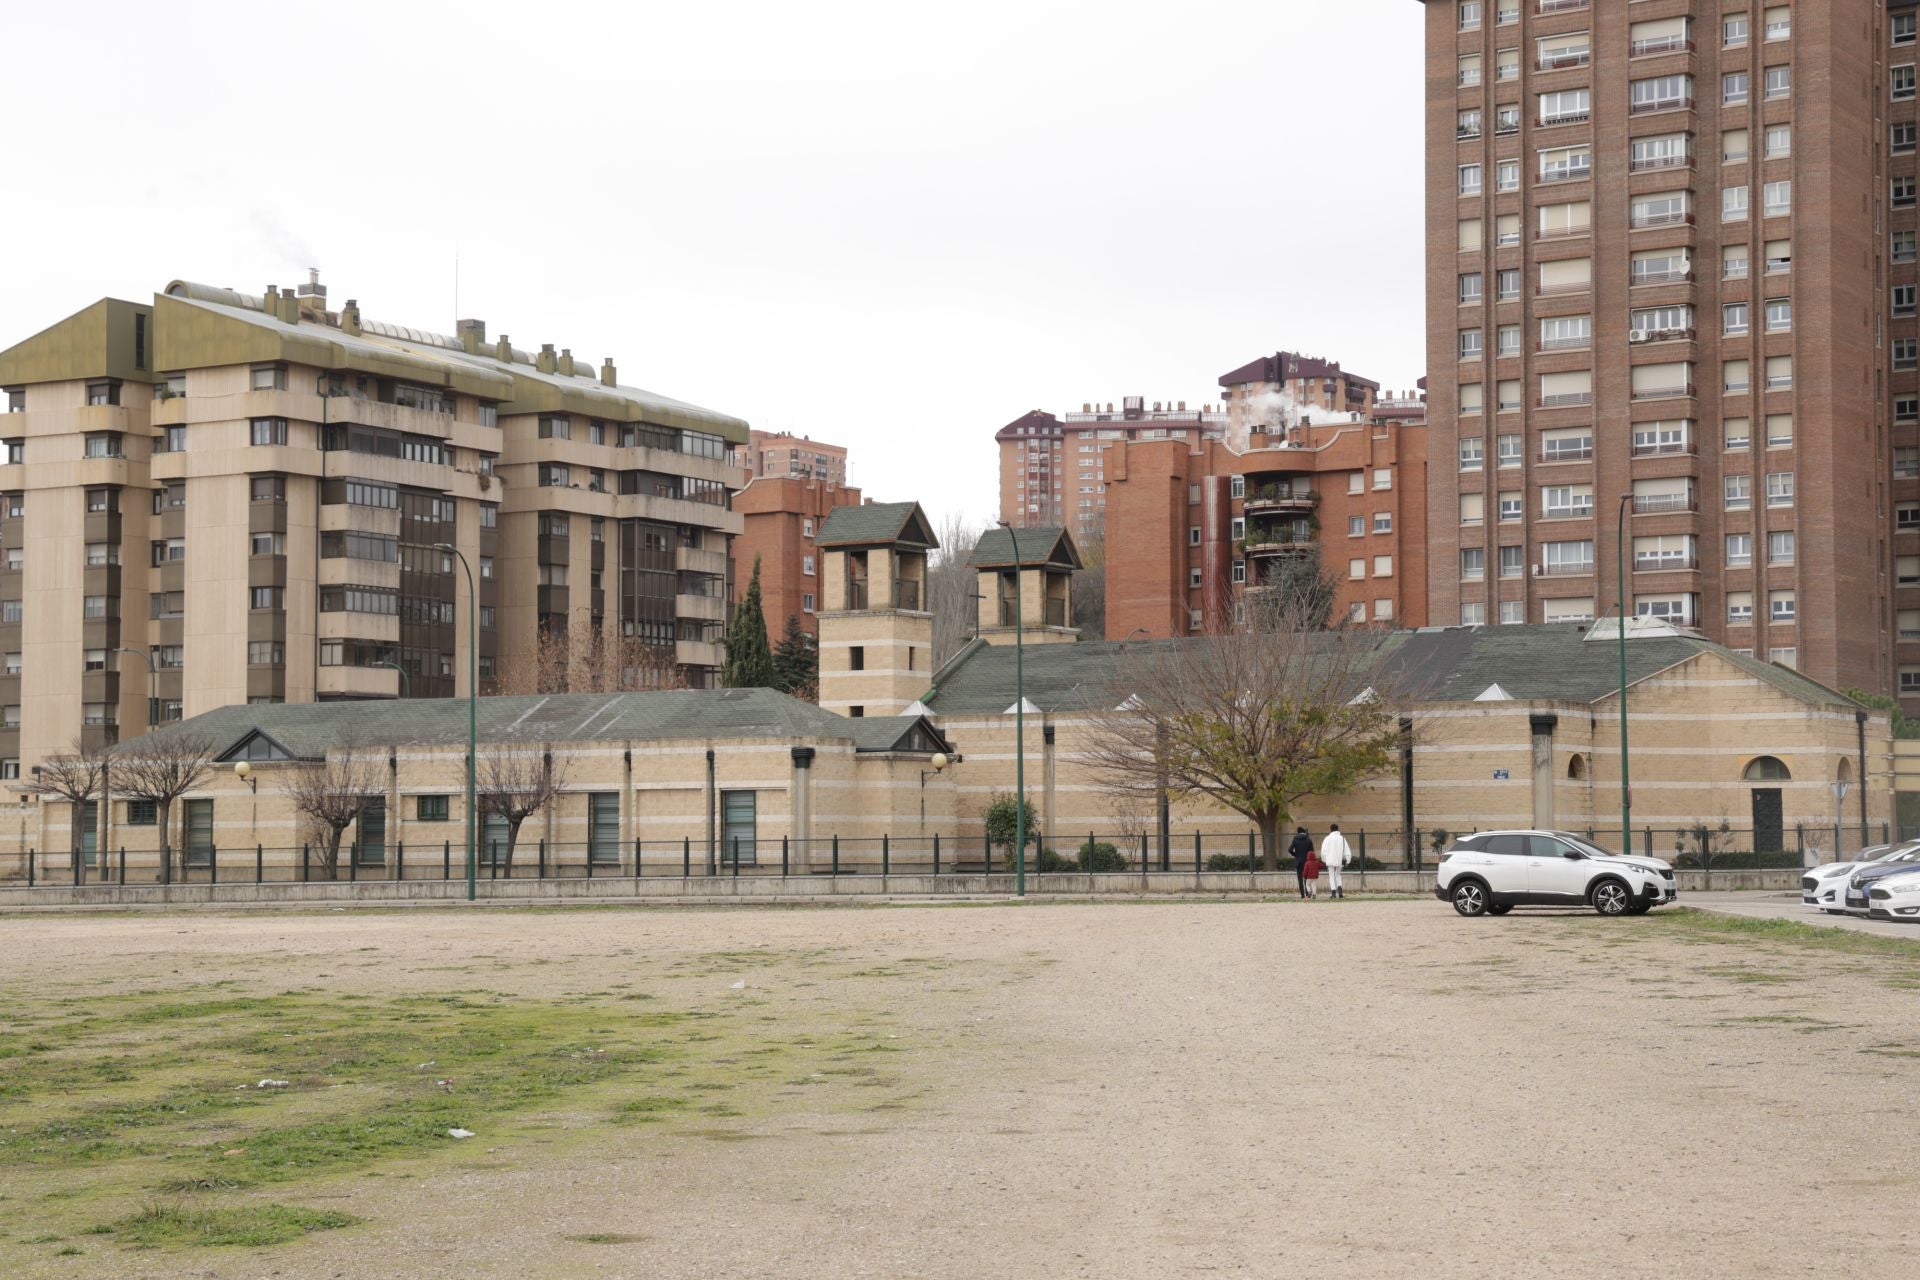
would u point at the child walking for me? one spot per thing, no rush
(1312, 873)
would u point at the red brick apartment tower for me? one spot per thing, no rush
(1660, 238)
(782, 516)
(1053, 469)
(777, 454)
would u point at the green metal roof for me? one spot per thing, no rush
(876, 523)
(1039, 545)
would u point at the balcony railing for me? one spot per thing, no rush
(1571, 569)
(1279, 495)
(1554, 290)
(1659, 162)
(1653, 504)
(1661, 393)
(1559, 6)
(1566, 399)
(1580, 341)
(1659, 104)
(1662, 275)
(1567, 453)
(1559, 233)
(1663, 449)
(1565, 58)
(1566, 173)
(1659, 335)
(1667, 218)
(1658, 44)
(1568, 513)
(1463, 133)
(1662, 564)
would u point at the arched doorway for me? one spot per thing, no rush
(1577, 768)
(1767, 821)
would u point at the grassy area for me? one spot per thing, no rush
(194, 1117)
(1711, 926)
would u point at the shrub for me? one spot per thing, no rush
(1002, 817)
(1227, 862)
(1100, 856)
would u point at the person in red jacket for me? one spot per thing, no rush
(1313, 869)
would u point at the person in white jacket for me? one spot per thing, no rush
(1335, 854)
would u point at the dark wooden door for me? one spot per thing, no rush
(1766, 820)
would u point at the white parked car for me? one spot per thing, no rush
(1895, 897)
(1824, 887)
(1492, 872)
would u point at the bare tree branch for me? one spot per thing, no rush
(331, 793)
(950, 587)
(162, 767)
(75, 776)
(582, 659)
(514, 784)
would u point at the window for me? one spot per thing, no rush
(1470, 288)
(1383, 522)
(1780, 606)
(1470, 344)
(1467, 125)
(1512, 506)
(1779, 22)
(603, 828)
(268, 488)
(1900, 80)
(1739, 550)
(1513, 562)
(1904, 354)
(1239, 573)
(261, 597)
(1663, 35)
(1780, 546)
(1564, 501)
(100, 607)
(104, 391)
(1733, 204)
(1779, 372)
(1473, 615)
(269, 377)
(806, 602)
(1564, 106)
(1564, 164)
(1779, 199)
(1788, 657)
(430, 808)
(1780, 488)
(1564, 332)
(1901, 192)
(1568, 49)
(1563, 559)
(1779, 141)
(1356, 526)
(1736, 376)
(1506, 175)
(1574, 610)
(1733, 318)
(1739, 492)
(1506, 64)
(1660, 210)
(1900, 26)
(1903, 299)
(1663, 151)
(1507, 450)
(1507, 284)
(1779, 431)
(1193, 535)
(1473, 564)
(1357, 567)
(1733, 30)
(1733, 262)
(1469, 240)
(1507, 336)
(1382, 478)
(1512, 611)
(90, 660)
(1473, 453)
(269, 431)
(1780, 314)
(98, 500)
(1906, 571)
(737, 827)
(486, 567)
(1733, 88)
(1779, 82)
(1674, 551)
(1469, 70)
(1566, 444)
(1469, 179)
(1660, 93)
(1906, 462)
(1506, 119)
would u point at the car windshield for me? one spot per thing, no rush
(1585, 846)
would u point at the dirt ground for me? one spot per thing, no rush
(1364, 1089)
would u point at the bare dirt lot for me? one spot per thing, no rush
(1366, 1089)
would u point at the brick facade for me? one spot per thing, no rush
(781, 517)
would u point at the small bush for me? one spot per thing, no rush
(1100, 856)
(1226, 862)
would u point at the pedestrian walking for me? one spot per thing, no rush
(1336, 854)
(1300, 850)
(1312, 872)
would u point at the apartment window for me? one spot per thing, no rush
(1473, 453)
(1906, 462)
(1506, 119)
(1564, 164)
(1779, 373)
(1901, 139)
(1193, 578)
(98, 713)
(1739, 550)
(1653, 439)
(1566, 501)
(1779, 22)
(1780, 606)
(1660, 210)
(1382, 478)
(1779, 142)
(172, 440)
(1469, 179)
(1663, 35)
(1507, 338)
(1506, 229)
(1736, 377)
(1507, 450)
(1660, 93)
(1779, 199)
(1664, 151)
(806, 602)
(1779, 431)
(1513, 562)
(16, 452)
(1356, 526)
(16, 559)
(106, 391)
(1569, 49)
(1507, 284)
(1780, 547)
(1506, 12)
(1780, 488)
(1733, 146)
(486, 568)
(1506, 175)
(1512, 611)
(90, 660)
(268, 488)
(1512, 506)
(1788, 657)
(102, 500)
(1506, 64)
(1733, 204)
(1906, 409)
(1568, 444)
(1237, 487)
(168, 551)
(1383, 566)
(1473, 564)
(1739, 492)
(269, 431)
(1468, 125)
(1563, 559)
(1733, 88)
(1740, 608)
(1901, 190)
(1733, 30)
(1565, 106)
(1906, 571)
(266, 653)
(99, 553)
(1779, 256)
(1383, 522)
(1563, 332)
(10, 768)
(1470, 344)
(1357, 567)
(1733, 262)
(1779, 82)
(1901, 81)
(262, 597)
(1904, 353)
(1904, 246)
(1470, 288)
(167, 604)
(1903, 300)
(1733, 318)
(1780, 314)
(1239, 571)
(1469, 70)
(10, 717)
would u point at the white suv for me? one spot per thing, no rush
(1492, 872)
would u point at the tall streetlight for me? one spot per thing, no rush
(406, 683)
(1019, 730)
(144, 656)
(473, 708)
(1626, 776)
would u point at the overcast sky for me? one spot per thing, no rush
(892, 226)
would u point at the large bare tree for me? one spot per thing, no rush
(1254, 717)
(950, 587)
(162, 767)
(513, 784)
(76, 776)
(583, 659)
(1090, 584)
(330, 793)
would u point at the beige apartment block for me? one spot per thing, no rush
(271, 501)
(876, 633)
(1670, 319)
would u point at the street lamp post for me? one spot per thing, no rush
(939, 762)
(1019, 729)
(473, 708)
(1626, 776)
(406, 683)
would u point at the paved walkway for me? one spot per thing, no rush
(1786, 906)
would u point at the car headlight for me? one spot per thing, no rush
(1905, 886)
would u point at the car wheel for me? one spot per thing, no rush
(1612, 898)
(1499, 908)
(1470, 898)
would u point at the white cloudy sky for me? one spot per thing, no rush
(895, 226)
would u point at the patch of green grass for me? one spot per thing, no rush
(1713, 927)
(1751, 977)
(247, 1226)
(605, 1237)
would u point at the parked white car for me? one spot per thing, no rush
(1895, 897)
(1492, 872)
(1824, 887)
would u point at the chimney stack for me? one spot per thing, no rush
(566, 361)
(546, 361)
(350, 317)
(503, 350)
(472, 335)
(608, 375)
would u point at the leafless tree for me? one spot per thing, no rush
(1255, 717)
(330, 793)
(514, 784)
(583, 659)
(950, 587)
(1090, 583)
(75, 776)
(162, 767)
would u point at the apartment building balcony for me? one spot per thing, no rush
(1658, 45)
(1672, 219)
(698, 653)
(1563, 233)
(1567, 513)
(1566, 400)
(1570, 173)
(1660, 393)
(1562, 117)
(1660, 164)
(1276, 544)
(1559, 6)
(1575, 454)
(1580, 343)
(1561, 62)
(1572, 569)
(1637, 336)
(1650, 504)
(707, 608)
(1280, 497)
(1665, 449)
(1665, 564)
(1665, 275)
(694, 560)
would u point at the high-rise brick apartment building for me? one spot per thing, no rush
(251, 493)
(1670, 300)
(1313, 464)
(782, 518)
(783, 454)
(1053, 469)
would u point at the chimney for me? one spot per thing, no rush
(313, 288)
(503, 350)
(546, 362)
(270, 302)
(608, 375)
(566, 361)
(350, 317)
(472, 335)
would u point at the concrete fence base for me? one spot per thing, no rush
(706, 890)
